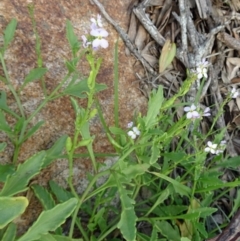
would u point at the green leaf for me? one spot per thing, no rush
(5, 170)
(3, 105)
(33, 130)
(51, 237)
(50, 220)
(154, 105)
(55, 151)
(230, 163)
(10, 208)
(9, 32)
(236, 203)
(166, 229)
(2, 147)
(155, 153)
(18, 181)
(179, 188)
(4, 125)
(201, 228)
(127, 223)
(81, 88)
(19, 125)
(61, 194)
(72, 38)
(35, 74)
(43, 196)
(116, 131)
(162, 197)
(10, 233)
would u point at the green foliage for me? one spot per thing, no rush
(10, 208)
(17, 182)
(49, 220)
(35, 74)
(161, 177)
(9, 33)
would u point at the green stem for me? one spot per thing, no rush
(20, 107)
(82, 199)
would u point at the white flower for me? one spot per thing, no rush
(99, 41)
(206, 112)
(134, 132)
(234, 93)
(96, 23)
(191, 112)
(215, 148)
(135, 129)
(85, 42)
(211, 147)
(202, 69)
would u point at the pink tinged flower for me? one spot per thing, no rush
(191, 112)
(130, 124)
(211, 148)
(85, 42)
(100, 43)
(99, 33)
(207, 112)
(234, 93)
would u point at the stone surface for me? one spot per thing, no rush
(51, 16)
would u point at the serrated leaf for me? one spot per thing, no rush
(154, 105)
(232, 162)
(9, 32)
(166, 229)
(167, 55)
(43, 196)
(10, 233)
(6, 170)
(34, 74)
(61, 194)
(50, 220)
(155, 153)
(18, 181)
(127, 223)
(55, 151)
(10, 208)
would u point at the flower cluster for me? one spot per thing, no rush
(134, 132)
(97, 35)
(201, 70)
(215, 148)
(193, 113)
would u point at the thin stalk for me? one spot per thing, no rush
(20, 107)
(82, 199)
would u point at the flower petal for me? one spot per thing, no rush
(104, 43)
